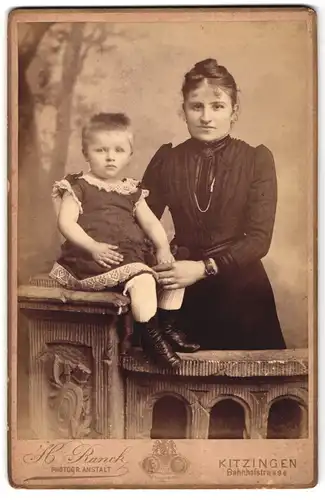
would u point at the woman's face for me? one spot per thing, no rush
(209, 112)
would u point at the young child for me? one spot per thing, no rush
(105, 220)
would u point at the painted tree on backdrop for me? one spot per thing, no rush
(51, 59)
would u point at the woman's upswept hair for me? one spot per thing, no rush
(209, 69)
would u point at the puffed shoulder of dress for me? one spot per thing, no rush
(262, 152)
(264, 163)
(70, 183)
(160, 156)
(163, 150)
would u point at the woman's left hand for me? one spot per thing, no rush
(180, 274)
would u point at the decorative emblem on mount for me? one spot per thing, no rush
(164, 460)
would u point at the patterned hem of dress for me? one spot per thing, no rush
(109, 279)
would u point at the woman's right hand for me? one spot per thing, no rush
(180, 274)
(106, 255)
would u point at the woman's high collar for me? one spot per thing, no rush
(209, 148)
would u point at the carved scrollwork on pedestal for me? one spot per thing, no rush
(69, 377)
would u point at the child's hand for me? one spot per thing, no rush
(164, 256)
(105, 254)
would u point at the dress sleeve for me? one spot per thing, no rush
(259, 218)
(70, 184)
(155, 180)
(138, 192)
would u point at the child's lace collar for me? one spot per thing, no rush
(124, 186)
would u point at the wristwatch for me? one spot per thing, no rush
(211, 268)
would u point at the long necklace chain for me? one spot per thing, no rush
(209, 152)
(210, 198)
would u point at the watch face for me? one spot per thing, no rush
(209, 270)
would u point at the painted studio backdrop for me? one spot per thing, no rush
(67, 72)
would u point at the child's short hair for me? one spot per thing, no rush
(106, 121)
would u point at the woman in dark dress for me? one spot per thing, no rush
(222, 195)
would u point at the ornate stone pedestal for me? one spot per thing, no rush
(76, 387)
(82, 382)
(255, 380)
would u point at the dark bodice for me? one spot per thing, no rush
(237, 228)
(236, 308)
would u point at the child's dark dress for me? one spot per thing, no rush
(106, 215)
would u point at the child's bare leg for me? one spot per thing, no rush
(143, 295)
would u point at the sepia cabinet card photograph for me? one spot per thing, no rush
(162, 205)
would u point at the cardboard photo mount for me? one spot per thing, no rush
(81, 405)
